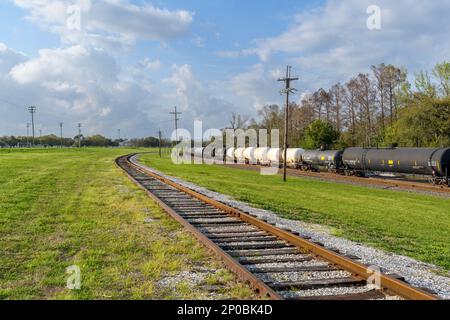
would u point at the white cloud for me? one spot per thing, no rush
(107, 23)
(195, 99)
(198, 41)
(257, 86)
(332, 42)
(150, 64)
(75, 84)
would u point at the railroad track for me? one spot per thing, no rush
(277, 263)
(387, 183)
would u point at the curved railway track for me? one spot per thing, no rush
(277, 263)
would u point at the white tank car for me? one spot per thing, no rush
(249, 155)
(261, 155)
(239, 155)
(230, 154)
(293, 157)
(274, 156)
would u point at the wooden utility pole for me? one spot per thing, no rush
(287, 90)
(32, 110)
(160, 137)
(175, 114)
(61, 134)
(79, 135)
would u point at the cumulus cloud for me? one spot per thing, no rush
(257, 86)
(80, 84)
(106, 23)
(332, 42)
(196, 100)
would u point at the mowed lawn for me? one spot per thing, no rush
(410, 224)
(76, 208)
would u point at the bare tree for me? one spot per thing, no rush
(380, 74)
(394, 78)
(352, 105)
(237, 121)
(365, 97)
(337, 97)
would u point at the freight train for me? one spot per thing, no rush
(431, 162)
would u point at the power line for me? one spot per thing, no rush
(287, 90)
(176, 119)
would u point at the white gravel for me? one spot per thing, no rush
(417, 273)
(301, 276)
(227, 229)
(334, 291)
(311, 263)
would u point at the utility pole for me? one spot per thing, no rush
(61, 133)
(40, 136)
(28, 135)
(118, 131)
(79, 135)
(287, 90)
(159, 135)
(32, 110)
(175, 114)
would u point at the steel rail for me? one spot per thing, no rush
(361, 271)
(260, 287)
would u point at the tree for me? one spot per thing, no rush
(442, 73)
(380, 74)
(424, 123)
(237, 121)
(351, 101)
(394, 78)
(424, 85)
(320, 134)
(337, 98)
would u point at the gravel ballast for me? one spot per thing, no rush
(417, 273)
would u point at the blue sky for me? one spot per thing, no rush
(132, 61)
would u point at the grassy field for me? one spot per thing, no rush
(405, 223)
(75, 207)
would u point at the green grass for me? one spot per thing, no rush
(410, 224)
(75, 207)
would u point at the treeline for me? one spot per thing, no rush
(90, 141)
(376, 109)
(54, 141)
(148, 142)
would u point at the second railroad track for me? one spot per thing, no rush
(277, 263)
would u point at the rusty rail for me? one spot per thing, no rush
(390, 284)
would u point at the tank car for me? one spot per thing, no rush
(211, 154)
(293, 157)
(274, 157)
(261, 156)
(249, 155)
(434, 162)
(317, 160)
(239, 155)
(230, 155)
